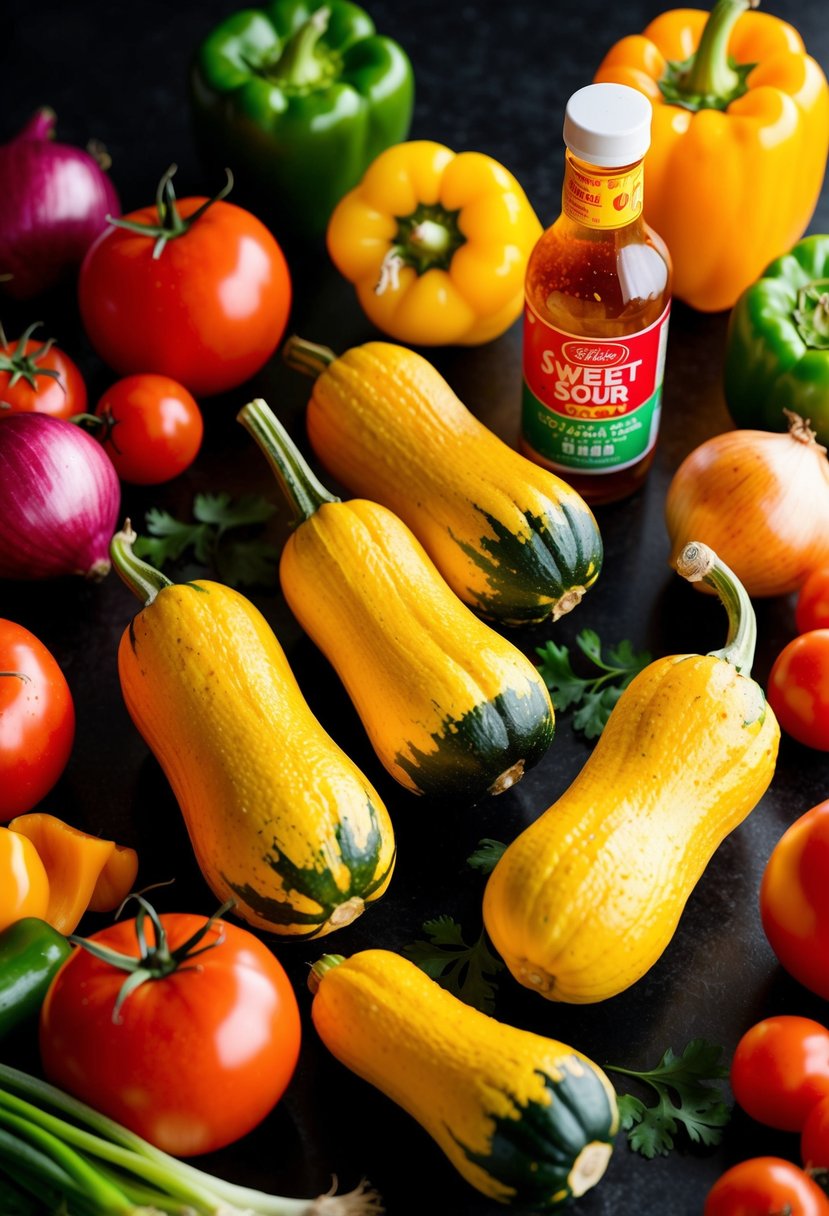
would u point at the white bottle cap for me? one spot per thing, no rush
(608, 125)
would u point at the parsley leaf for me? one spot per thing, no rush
(238, 560)
(487, 855)
(596, 696)
(465, 971)
(685, 1096)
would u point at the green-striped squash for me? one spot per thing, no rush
(515, 542)
(280, 819)
(526, 1120)
(452, 709)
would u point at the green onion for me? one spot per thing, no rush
(51, 1157)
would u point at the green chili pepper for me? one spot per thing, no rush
(298, 100)
(777, 352)
(31, 951)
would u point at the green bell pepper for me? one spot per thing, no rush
(777, 349)
(31, 952)
(298, 100)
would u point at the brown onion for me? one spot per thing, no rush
(760, 500)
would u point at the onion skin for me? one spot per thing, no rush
(760, 500)
(59, 499)
(54, 203)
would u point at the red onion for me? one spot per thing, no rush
(53, 204)
(59, 499)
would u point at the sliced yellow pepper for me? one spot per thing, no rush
(436, 244)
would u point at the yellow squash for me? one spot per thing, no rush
(513, 541)
(525, 1119)
(451, 708)
(280, 819)
(586, 899)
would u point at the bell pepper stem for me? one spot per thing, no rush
(299, 66)
(143, 580)
(710, 73)
(431, 237)
(298, 482)
(698, 563)
(307, 357)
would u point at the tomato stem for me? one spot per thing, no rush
(156, 961)
(171, 224)
(21, 366)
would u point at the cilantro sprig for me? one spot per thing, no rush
(595, 695)
(487, 855)
(213, 536)
(465, 971)
(685, 1096)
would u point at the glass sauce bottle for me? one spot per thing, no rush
(598, 291)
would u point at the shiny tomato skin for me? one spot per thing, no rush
(24, 883)
(197, 1059)
(814, 1139)
(812, 608)
(208, 312)
(798, 689)
(780, 1069)
(60, 397)
(155, 428)
(765, 1186)
(794, 899)
(37, 720)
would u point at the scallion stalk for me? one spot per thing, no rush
(44, 1153)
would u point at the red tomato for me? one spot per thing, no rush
(812, 610)
(37, 377)
(765, 1186)
(794, 899)
(37, 720)
(798, 690)
(208, 311)
(197, 1058)
(814, 1139)
(154, 428)
(780, 1069)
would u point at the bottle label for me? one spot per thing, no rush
(592, 404)
(600, 201)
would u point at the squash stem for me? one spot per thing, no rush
(307, 357)
(304, 491)
(321, 967)
(143, 580)
(698, 563)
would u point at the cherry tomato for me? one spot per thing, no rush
(812, 609)
(37, 720)
(191, 1061)
(780, 1069)
(814, 1139)
(765, 1186)
(798, 689)
(24, 884)
(794, 899)
(37, 377)
(208, 311)
(154, 428)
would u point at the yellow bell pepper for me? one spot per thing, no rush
(738, 146)
(436, 244)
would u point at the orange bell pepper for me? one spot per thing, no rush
(82, 872)
(738, 145)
